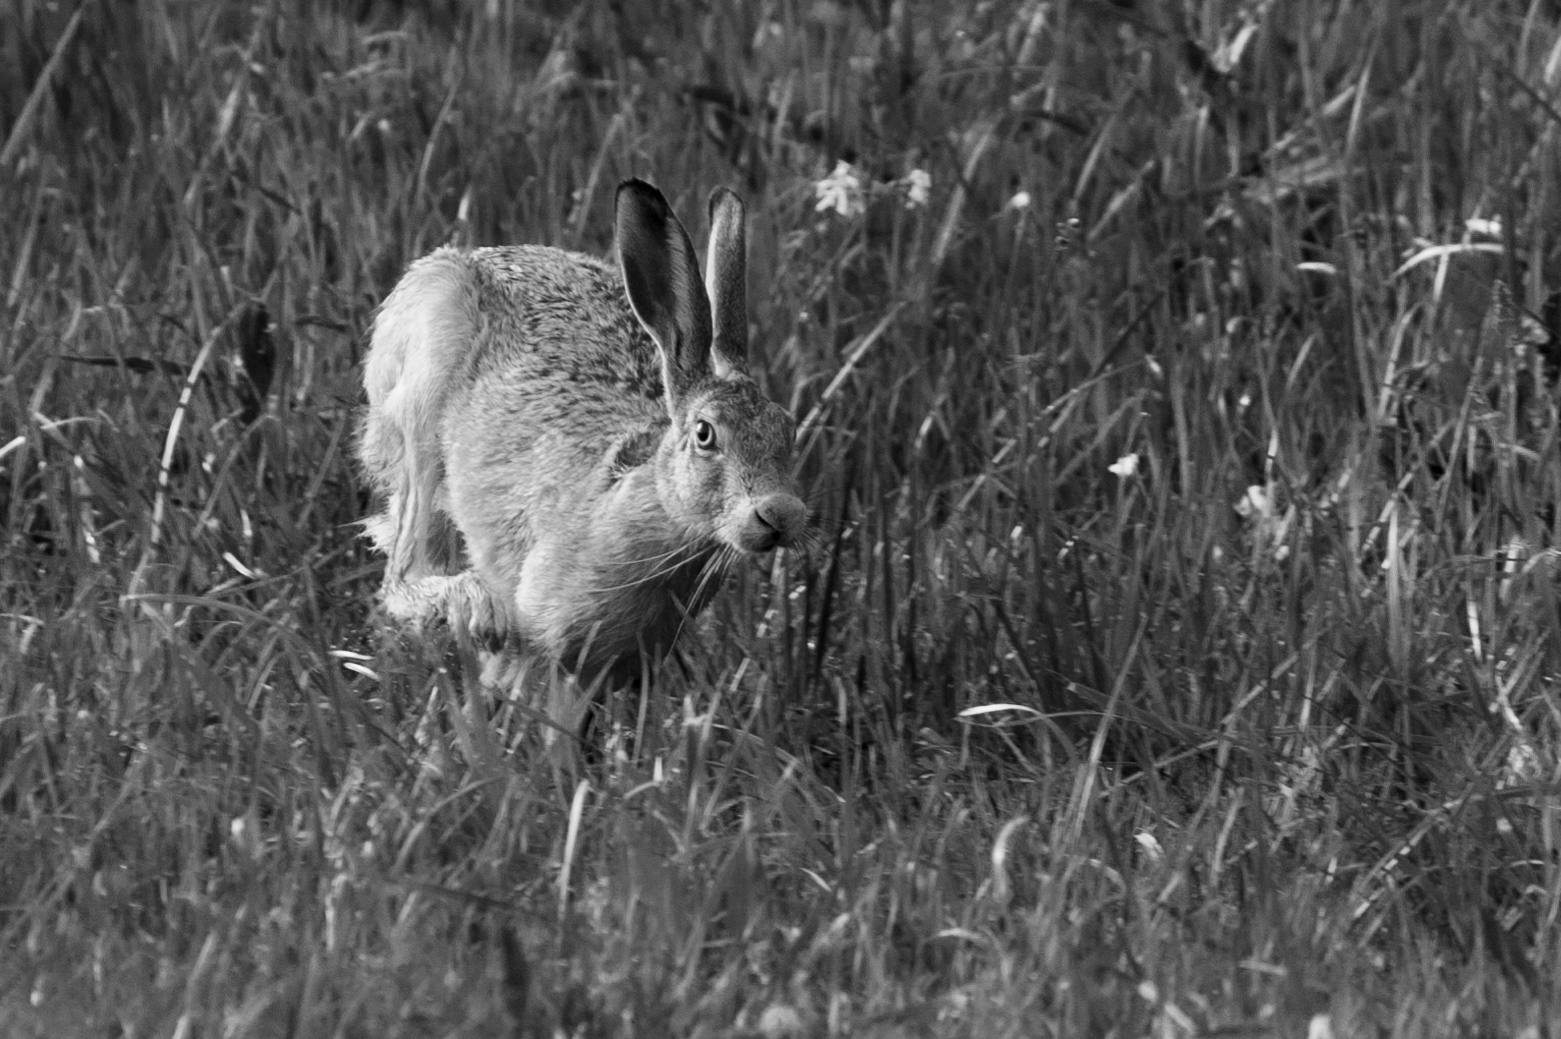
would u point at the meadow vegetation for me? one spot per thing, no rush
(1177, 650)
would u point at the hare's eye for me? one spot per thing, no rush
(704, 435)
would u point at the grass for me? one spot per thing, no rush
(1180, 652)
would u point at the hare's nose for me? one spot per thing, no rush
(780, 518)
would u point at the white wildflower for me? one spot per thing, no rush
(1269, 525)
(1523, 766)
(1255, 504)
(840, 191)
(780, 1021)
(1125, 467)
(1021, 200)
(918, 186)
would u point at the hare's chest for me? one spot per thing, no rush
(575, 598)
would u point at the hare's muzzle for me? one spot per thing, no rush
(776, 522)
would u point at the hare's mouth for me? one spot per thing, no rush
(759, 538)
(775, 521)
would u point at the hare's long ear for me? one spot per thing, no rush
(726, 281)
(661, 276)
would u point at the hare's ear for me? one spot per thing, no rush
(726, 281)
(661, 277)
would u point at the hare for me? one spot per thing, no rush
(570, 456)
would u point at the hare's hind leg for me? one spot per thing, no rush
(422, 336)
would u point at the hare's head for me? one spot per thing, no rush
(724, 464)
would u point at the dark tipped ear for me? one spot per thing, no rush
(726, 282)
(661, 277)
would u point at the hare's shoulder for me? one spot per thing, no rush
(554, 315)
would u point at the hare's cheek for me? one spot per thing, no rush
(718, 480)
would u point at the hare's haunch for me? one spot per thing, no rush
(569, 455)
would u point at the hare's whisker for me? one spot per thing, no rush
(714, 567)
(667, 564)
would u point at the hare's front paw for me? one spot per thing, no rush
(410, 602)
(462, 601)
(471, 608)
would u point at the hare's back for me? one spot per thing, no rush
(553, 315)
